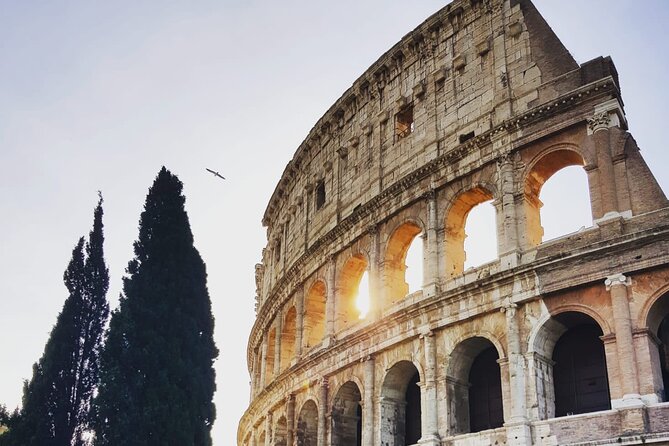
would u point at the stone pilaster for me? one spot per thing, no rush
(263, 362)
(368, 403)
(430, 415)
(268, 430)
(507, 233)
(375, 283)
(299, 322)
(322, 412)
(431, 247)
(518, 428)
(277, 344)
(330, 310)
(290, 419)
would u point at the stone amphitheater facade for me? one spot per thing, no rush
(554, 342)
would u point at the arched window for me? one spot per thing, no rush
(347, 416)
(307, 425)
(400, 405)
(281, 433)
(566, 196)
(480, 237)
(658, 324)
(570, 366)
(579, 373)
(485, 392)
(288, 338)
(403, 264)
(314, 315)
(475, 387)
(455, 229)
(348, 302)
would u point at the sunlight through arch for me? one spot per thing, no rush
(480, 235)
(566, 203)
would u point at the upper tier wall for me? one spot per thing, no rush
(453, 75)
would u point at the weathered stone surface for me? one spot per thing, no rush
(480, 102)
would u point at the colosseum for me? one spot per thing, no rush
(561, 341)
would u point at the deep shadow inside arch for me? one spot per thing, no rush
(400, 405)
(347, 416)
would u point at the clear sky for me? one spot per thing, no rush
(98, 95)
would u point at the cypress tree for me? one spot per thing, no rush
(157, 377)
(57, 400)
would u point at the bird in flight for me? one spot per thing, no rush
(215, 173)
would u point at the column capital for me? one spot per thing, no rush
(600, 121)
(509, 308)
(617, 280)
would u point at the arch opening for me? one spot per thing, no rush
(480, 243)
(570, 366)
(347, 416)
(475, 387)
(352, 297)
(400, 405)
(307, 425)
(563, 204)
(455, 234)
(281, 432)
(314, 315)
(288, 338)
(403, 263)
(658, 324)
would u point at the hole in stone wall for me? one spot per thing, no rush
(414, 265)
(566, 203)
(404, 124)
(480, 235)
(466, 137)
(320, 194)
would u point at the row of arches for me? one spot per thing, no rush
(402, 269)
(474, 385)
(476, 210)
(569, 372)
(405, 265)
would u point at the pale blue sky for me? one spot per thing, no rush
(98, 95)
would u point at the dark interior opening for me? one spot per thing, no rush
(485, 392)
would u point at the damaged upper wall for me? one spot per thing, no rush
(470, 67)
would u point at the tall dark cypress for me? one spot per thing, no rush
(157, 377)
(57, 400)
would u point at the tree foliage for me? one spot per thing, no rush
(57, 400)
(157, 378)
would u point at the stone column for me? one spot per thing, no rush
(290, 419)
(431, 247)
(277, 344)
(430, 426)
(322, 412)
(268, 430)
(375, 283)
(617, 285)
(518, 429)
(598, 129)
(368, 403)
(330, 310)
(299, 322)
(263, 362)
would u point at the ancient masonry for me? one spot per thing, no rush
(555, 342)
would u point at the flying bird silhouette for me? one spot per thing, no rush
(215, 173)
